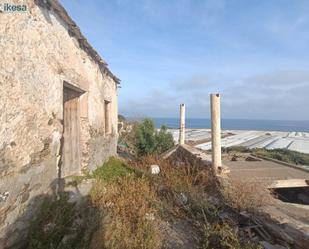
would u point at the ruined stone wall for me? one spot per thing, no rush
(187, 154)
(37, 56)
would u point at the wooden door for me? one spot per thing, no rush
(71, 135)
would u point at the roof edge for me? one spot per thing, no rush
(75, 32)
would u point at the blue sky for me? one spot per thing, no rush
(167, 52)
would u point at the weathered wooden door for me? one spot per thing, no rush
(71, 143)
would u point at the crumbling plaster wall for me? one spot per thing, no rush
(37, 56)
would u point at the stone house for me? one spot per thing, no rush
(58, 108)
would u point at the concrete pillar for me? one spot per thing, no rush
(182, 125)
(215, 131)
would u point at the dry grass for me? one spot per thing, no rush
(198, 184)
(245, 195)
(128, 205)
(132, 206)
(181, 189)
(224, 236)
(130, 202)
(180, 178)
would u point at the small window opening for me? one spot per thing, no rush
(107, 116)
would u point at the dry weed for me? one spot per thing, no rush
(180, 178)
(244, 195)
(223, 236)
(135, 204)
(181, 189)
(130, 219)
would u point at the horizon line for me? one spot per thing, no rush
(141, 117)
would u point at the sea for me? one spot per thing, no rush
(238, 124)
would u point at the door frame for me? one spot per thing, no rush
(62, 172)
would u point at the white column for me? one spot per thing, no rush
(182, 125)
(215, 131)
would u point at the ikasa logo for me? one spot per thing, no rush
(12, 8)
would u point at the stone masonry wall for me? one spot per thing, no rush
(37, 56)
(188, 154)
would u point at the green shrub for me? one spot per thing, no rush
(144, 138)
(164, 140)
(148, 141)
(112, 170)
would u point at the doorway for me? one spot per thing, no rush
(71, 132)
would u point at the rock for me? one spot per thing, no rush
(213, 200)
(155, 169)
(4, 196)
(66, 239)
(48, 227)
(229, 217)
(110, 204)
(252, 159)
(223, 170)
(150, 216)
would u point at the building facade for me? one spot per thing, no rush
(58, 109)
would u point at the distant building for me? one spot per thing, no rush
(58, 108)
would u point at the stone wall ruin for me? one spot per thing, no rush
(42, 50)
